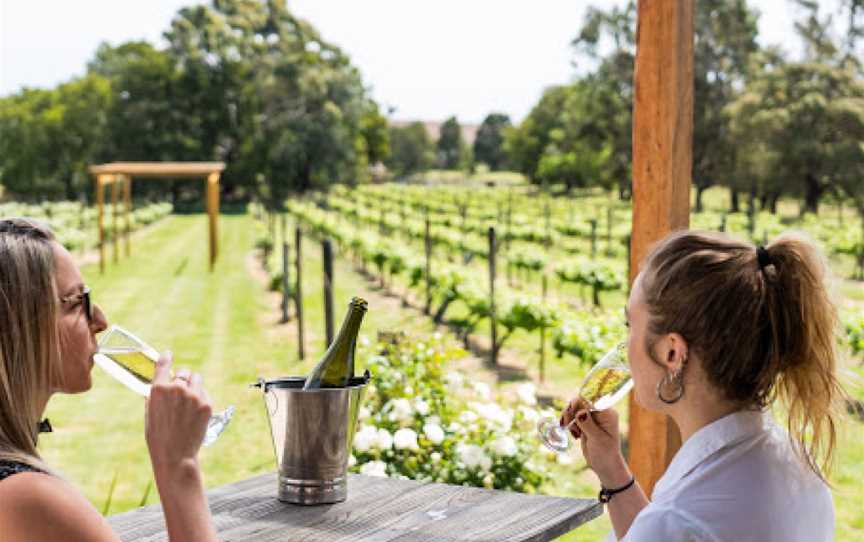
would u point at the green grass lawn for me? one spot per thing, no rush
(224, 325)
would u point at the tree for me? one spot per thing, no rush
(410, 149)
(489, 143)
(799, 126)
(272, 97)
(725, 41)
(49, 137)
(450, 145)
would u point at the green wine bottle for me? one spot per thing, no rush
(336, 367)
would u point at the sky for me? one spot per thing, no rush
(425, 59)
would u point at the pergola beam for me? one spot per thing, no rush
(662, 165)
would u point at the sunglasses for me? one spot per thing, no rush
(84, 299)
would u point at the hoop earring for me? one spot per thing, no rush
(671, 379)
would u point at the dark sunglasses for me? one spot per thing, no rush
(84, 298)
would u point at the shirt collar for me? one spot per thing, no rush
(727, 431)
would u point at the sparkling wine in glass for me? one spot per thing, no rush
(132, 362)
(605, 384)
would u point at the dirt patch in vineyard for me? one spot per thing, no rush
(271, 319)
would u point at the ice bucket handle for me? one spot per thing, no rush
(270, 398)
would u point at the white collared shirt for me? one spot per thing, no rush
(735, 480)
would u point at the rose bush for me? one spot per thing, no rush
(422, 421)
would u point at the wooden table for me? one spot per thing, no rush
(377, 509)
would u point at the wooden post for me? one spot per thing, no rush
(213, 214)
(609, 212)
(548, 214)
(286, 279)
(428, 246)
(662, 161)
(545, 289)
(593, 237)
(327, 257)
(127, 201)
(100, 206)
(492, 315)
(508, 234)
(298, 290)
(115, 231)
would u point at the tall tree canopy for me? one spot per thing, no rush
(489, 143)
(243, 81)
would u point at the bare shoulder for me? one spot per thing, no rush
(38, 506)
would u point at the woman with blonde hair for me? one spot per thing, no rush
(48, 329)
(720, 332)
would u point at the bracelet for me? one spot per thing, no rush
(607, 494)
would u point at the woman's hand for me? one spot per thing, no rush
(601, 441)
(177, 413)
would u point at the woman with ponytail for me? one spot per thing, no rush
(720, 333)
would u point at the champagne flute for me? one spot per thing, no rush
(132, 362)
(605, 384)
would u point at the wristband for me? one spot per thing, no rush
(607, 494)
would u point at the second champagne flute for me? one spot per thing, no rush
(605, 384)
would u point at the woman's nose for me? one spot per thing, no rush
(100, 322)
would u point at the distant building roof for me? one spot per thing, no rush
(433, 129)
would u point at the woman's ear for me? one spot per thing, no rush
(676, 352)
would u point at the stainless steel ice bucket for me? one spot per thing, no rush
(312, 434)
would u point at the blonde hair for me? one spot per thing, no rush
(29, 338)
(762, 330)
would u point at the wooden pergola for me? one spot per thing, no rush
(121, 173)
(662, 159)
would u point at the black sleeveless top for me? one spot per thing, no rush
(8, 468)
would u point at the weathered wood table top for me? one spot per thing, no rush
(377, 509)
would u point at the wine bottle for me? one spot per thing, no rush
(336, 367)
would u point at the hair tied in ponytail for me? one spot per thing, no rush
(764, 258)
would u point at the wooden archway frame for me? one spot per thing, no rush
(115, 173)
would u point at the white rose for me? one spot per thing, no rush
(384, 440)
(467, 417)
(400, 410)
(435, 457)
(488, 481)
(564, 459)
(374, 468)
(505, 446)
(365, 438)
(364, 340)
(422, 407)
(363, 413)
(352, 460)
(454, 427)
(434, 433)
(530, 415)
(405, 439)
(527, 393)
(454, 380)
(473, 456)
(482, 389)
(495, 416)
